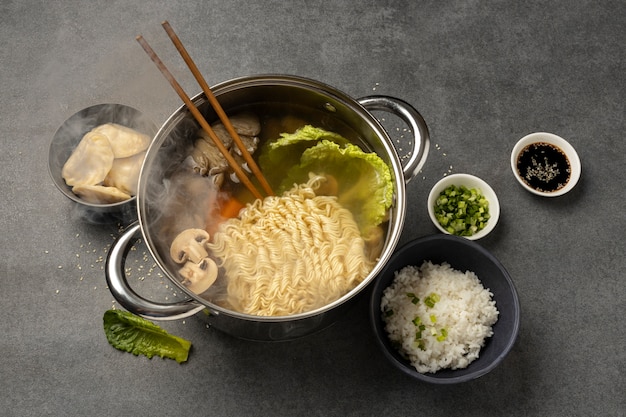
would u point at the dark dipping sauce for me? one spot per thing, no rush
(544, 167)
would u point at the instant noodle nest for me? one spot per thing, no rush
(291, 254)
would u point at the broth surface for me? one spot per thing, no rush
(544, 167)
(189, 200)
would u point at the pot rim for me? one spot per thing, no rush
(398, 209)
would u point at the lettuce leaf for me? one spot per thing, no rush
(286, 151)
(366, 186)
(365, 180)
(130, 333)
(306, 134)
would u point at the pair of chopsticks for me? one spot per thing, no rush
(218, 109)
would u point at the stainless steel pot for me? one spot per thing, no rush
(166, 152)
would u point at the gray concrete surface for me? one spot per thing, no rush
(483, 74)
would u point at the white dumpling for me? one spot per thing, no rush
(99, 194)
(124, 173)
(90, 162)
(124, 141)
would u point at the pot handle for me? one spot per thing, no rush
(129, 299)
(421, 138)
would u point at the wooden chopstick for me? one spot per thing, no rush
(217, 107)
(199, 118)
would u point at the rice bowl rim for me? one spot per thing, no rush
(386, 277)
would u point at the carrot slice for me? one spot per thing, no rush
(231, 208)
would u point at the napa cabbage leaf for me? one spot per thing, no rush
(366, 186)
(282, 153)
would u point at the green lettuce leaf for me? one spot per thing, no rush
(286, 151)
(306, 134)
(366, 186)
(130, 333)
(366, 182)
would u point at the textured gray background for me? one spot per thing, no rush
(482, 73)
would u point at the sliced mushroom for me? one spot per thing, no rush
(198, 277)
(190, 244)
(251, 143)
(246, 123)
(206, 158)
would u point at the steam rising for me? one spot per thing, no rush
(67, 138)
(118, 72)
(172, 196)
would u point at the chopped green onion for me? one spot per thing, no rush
(431, 300)
(421, 345)
(443, 335)
(433, 318)
(462, 211)
(413, 297)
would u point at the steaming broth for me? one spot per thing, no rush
(189, 200)
(278, 118)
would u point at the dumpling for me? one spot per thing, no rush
(124, 141)
(99, 194)
(124, 173)
(104, 167)
(90, 162)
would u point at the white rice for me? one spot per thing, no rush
(465, 310)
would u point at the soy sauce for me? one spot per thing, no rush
(544, 167)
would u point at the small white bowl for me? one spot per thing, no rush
(555, 141)
(468, 181)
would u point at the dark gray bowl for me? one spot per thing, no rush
(462, 254)
(72, 131)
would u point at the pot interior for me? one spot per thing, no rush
(169, 202)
